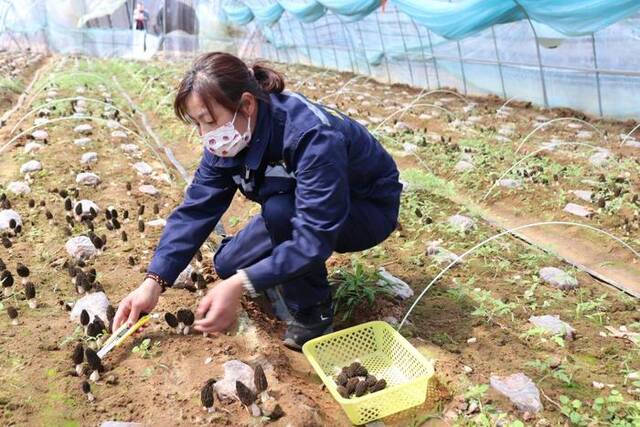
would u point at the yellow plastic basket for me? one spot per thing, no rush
(386, 354)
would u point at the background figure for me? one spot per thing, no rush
(141, 17)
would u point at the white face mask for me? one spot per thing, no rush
(226, 141)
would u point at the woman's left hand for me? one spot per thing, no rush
(218, 309)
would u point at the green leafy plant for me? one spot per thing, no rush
(355, 287)
(145, 349)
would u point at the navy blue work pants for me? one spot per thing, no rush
(367, 225)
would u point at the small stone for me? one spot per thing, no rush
(509, 183)
(234, 370)
(600, 158)
(111, 380)
(119, 134)
(208, 360)
(632, 143)
(399, 288)
(149, 189)
(472, 340)
(83, 129)
(501, 138)
(463, 166)
(160, 222)
(95, 303)
(6, 215)
(130, 148)
(87, 178)
(461, 222)
(520, 390)
(409, 148)
(19, 187)
(85, 207)
(553, 325)
(401, 126)
(143, 168)
(583, 195)
(584, 135)
(88, 158)
(32, 147)
(597, 385)
(467, 369)
(578, 210)
(31, 166)
(80, 247)
(112, 124)
(40, 135)
(82, 142)
(574, 125)
(558, 278)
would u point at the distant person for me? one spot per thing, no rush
(323, 181)
(141, 17)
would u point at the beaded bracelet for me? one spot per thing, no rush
(159, 280)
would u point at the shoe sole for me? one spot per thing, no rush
(292, 345)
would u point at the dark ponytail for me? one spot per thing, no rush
(269, 79)
(224, 78)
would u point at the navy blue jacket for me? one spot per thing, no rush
(323, 157)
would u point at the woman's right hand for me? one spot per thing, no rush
(143, 298)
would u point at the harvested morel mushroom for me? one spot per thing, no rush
(124, 236)
(351, 385)
(172, 321)
(342, 379)
(260, 383)
(140, 210)
(380, 385)
(371, 381)
(185, 320)
(86, 389)
(342, 391)
(95, 364)
(49, 216)
(78, 357)
(247, 398)
(30, 295)
(361, 388)
(23, 272)
(12, 312)
(141, 226)
(84, 319)
(3, 266)
(206, 396)
(6, 242)
(7, 282)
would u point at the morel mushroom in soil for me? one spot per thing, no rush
(207, 396)
(247, 398)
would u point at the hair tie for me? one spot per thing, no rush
(251, 72)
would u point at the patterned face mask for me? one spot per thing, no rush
(226, 141)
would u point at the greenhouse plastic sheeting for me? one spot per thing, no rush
(583, 54)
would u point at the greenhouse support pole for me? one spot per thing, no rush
(364, 48)
(595, 64)
(295, 46)
(424, 57)
(315, 34)
(535, 39)
(284, 42)
(433, 56)
(349, 40)
(164, 24)
(306, 45)
(464, 76)
(404, 45)
(384, 51)
(495, 46)
(335, 52)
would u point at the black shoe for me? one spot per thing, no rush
(309, 323)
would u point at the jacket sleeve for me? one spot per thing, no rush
(206, 199)
(321, 208)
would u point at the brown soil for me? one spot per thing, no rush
(164, 389)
